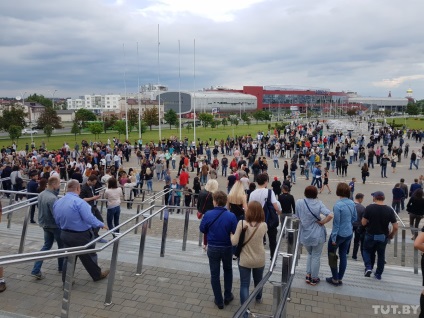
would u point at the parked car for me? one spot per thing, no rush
(29, 132)
(35, 127)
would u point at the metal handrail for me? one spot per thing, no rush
(79, 250)
(242, 309)
(150, 200)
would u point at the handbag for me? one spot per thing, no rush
(203, 208)
(241, 241)
(318, 219)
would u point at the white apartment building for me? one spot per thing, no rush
(96, 103)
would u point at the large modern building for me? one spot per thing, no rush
(208, 101)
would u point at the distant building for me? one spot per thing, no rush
(208, 101)
(95, 103)
(379, 103)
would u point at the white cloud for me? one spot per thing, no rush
(396, 82)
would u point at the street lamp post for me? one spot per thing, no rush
(53, 93)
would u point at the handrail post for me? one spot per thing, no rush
(111, 279)
(24, 231)
(186, 220)
(164, 233)
(142, 245)
(287, 260)
(291, 241)
(67, 287)
(395, 245)
(402, 255)
(137, 219)
(415, 254)
(200, 238)
(150, 212)
(9, 219)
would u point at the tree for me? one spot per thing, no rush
(236, 121)
(75, 129)
(14, 132)
(151, 117)
(248, 122)
(49, 117)
(83, 115)
(267, 115)
(171, 117)
(188, 127)
(205, 118)
(132, 118)
(258, 115)
(96, 128)
(224, 122)
(15, 116)
(120, 127)
(109, 122)
(48, 130)
(46, 102)
(412, 109)
(244, 117)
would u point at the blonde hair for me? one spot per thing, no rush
(212, 186)
(237, 194)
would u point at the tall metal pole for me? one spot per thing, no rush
(160, 128)
(179, 84)
(125, 84)
(194, 90)
(138, 95)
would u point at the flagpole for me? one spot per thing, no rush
(160, 128)
(138, 95)
(179, 84)
(125, 83)
(194, 90)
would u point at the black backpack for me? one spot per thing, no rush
(271, 217)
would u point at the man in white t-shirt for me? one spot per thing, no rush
(260, 195)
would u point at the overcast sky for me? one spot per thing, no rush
(86, 46)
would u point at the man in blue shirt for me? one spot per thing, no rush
(218, 224)
(73, 215)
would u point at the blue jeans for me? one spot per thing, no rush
(173, 164)
(224, 170)
(412, 162)
(383, 171)
(276, 165)
(396, 206)
(371, 247)
(50, 235)
(112, 217)
(204, 179)
(342, 244)
(245, 274)
(306, 173)
(293, 176)
(216, 255)
(150, 185)
(314, 259)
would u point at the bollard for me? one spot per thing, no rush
(200, 238)
(164, 233)
(137, 219)
(285, 276)
(186, 220)
(9, 219)
(142, 245)
(111, 279)
(24, 231)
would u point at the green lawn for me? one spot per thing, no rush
(56, 141)
(411, 123)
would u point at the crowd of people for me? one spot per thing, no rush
(243, 210)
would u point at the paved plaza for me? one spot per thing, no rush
(177, 285)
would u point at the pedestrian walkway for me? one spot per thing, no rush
(177, 285)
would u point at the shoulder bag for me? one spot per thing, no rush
(241, 241)
(318, 219)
